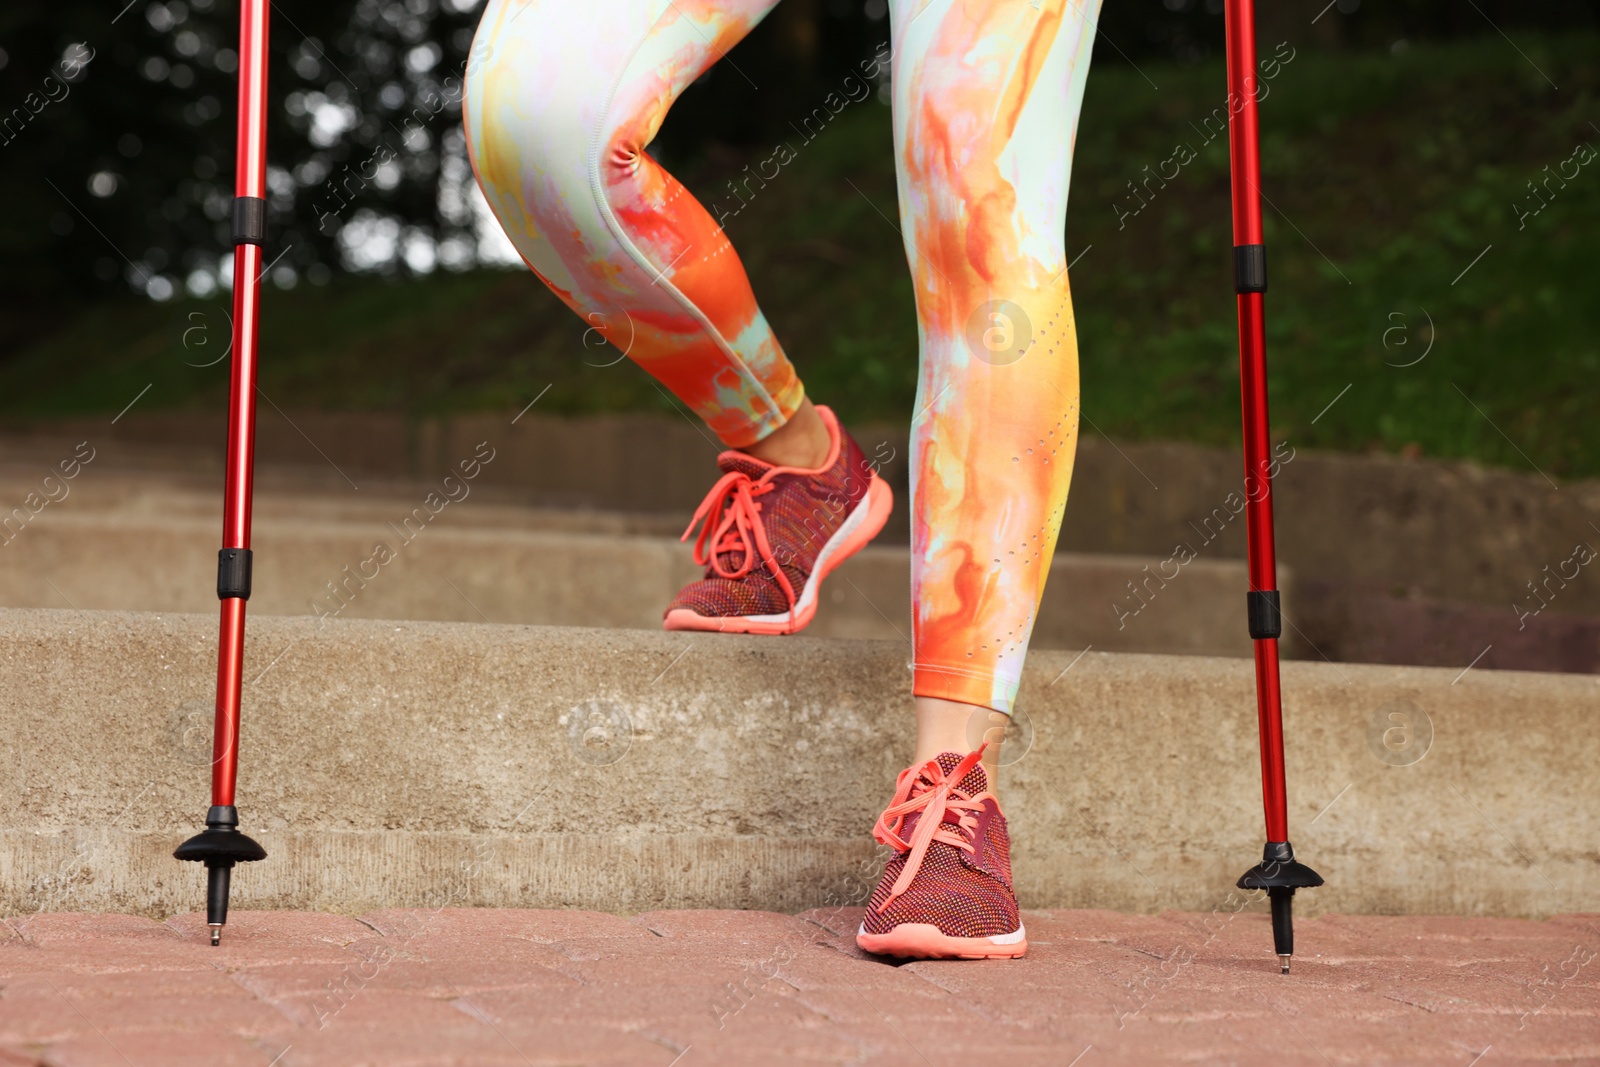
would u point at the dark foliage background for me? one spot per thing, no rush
(119, 177)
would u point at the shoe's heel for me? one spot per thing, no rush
(875, 508)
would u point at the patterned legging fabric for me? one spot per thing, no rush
(562, 98)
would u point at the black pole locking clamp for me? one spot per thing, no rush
(1264, 612)
(249, 220)
(1249, 268)
(233, 573)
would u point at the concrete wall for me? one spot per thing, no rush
(389, 764)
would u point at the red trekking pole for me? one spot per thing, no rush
(221, 845)
(1277, 873)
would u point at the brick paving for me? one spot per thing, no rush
(685, 988)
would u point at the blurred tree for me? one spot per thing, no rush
(1191, 30)
(116, 123)
(119, 146)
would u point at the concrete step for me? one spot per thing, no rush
(412, 764)
(470, 563)
(146, 485)
(1398, 561)
(1442, 529)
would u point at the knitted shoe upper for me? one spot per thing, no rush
(764, 526)
(961, 883)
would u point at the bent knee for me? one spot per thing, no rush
(530, 88)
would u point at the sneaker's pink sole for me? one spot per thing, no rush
(879, 502)
(923, 941)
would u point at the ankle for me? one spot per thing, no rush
(951, 726)
(803, 441)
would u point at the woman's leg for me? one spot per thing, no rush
(562, 97)
(986, 96)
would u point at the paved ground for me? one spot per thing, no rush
(565, 987)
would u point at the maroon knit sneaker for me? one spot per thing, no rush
(769, 535)
(947, 892)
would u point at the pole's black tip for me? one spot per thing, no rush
(1280, 876)
(1282, 924)
(218, 874)
(219, 846)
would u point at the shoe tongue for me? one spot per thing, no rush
(976, 780)
(742, 462)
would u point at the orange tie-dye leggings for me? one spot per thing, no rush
(562, 98)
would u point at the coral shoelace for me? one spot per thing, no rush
(739, 529)
(947, 815)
